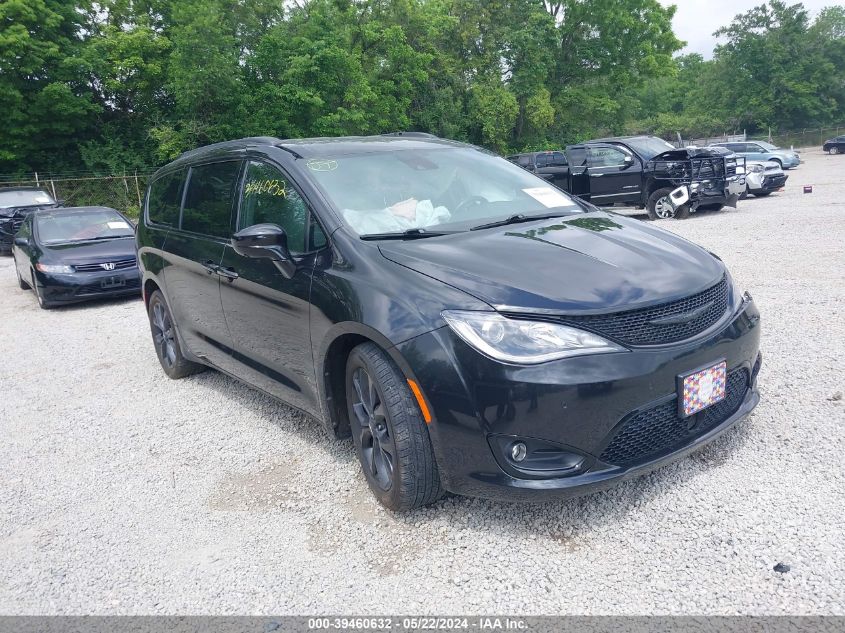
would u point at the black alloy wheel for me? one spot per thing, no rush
(166, 341)
(378, 449)
(390, 434)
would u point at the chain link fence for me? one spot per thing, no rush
(123, 193)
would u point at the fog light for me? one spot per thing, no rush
(518, 452)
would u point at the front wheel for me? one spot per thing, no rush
(39, 294)
(762, 194)
(168, 350)
(834, 150)
(390, 435)
(659, 207)
(21, 283)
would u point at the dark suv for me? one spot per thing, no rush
(473, 328)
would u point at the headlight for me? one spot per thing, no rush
(48, 268)
(757, 169)
(524, 342)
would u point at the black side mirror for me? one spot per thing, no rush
(265, 241)
(629, 160)
(60, 202)
(21, 241)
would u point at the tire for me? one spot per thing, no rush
(834, 150)
(166, 342)
(390, 435)
(658, 209)
(42, 303)
(778, 161)
(21, 283)
(762, 194)
(711, 207)
(745, 193)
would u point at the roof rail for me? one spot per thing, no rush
(235, 144)
(412, 134)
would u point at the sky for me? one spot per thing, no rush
(695, 20)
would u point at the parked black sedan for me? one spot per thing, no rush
(835, 145)
(76, 253)
(15, 204)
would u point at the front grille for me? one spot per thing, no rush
(636, 327)
(120, 264)
(660, 430)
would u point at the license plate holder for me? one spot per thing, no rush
(702, 388)
(112, 282)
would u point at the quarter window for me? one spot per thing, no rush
(210, 197)
(268, 197)
(165, 198)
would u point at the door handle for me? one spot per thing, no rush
(210, 267)
(228, 273)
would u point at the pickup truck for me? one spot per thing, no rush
(643, 171)
(15, 204)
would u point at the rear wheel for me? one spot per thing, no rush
(390, 435)
(659, 207)
(168, 350)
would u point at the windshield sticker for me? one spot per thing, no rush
(549, 197)
(118, 225)
(270, 187)
(321, 164)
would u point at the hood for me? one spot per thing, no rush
(594, 262)
(90, 252)
(687, 153)
(9, 212)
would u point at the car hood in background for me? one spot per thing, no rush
(687, 153)
(10, 212)
(89, 252)
(594, 262)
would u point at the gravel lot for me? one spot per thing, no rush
(124, 492)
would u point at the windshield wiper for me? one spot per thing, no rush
(517, 218)
(410, 234)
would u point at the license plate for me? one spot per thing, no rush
(702, 388)
(112, 282)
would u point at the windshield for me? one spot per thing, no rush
(438, 190)
(82, 226)
(649, 147)
(24, 198)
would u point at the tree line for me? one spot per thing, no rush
(129, 84)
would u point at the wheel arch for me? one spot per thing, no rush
(331, 370)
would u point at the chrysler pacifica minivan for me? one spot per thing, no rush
(474, 329)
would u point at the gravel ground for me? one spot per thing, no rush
(124, 492)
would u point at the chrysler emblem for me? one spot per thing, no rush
(686, 317)
(108, 266)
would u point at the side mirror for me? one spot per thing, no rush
(265, 241)
(629, 160)
(21, 241)
(60, 202)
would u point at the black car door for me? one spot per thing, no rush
(615, 175)
(193, 251)
(267, 312)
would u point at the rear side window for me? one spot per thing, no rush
(165, 198)
(210, 198)
(523, 161)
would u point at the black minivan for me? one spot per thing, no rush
(473, 328)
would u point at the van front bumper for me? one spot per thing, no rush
(598, 419)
